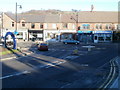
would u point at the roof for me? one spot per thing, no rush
(83, 17)
(98, 16)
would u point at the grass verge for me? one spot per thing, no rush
(8, 52)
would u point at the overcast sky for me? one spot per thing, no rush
(64, 5)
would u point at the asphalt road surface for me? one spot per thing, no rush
(59, 67)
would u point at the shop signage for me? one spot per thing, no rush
(110, 32)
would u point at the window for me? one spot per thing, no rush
(118, 26)
(32, 25)
(12, 24)
(108, 26)
(41, 26)
(98, 26)
(23, 24)
(65, 25)
(54, 26)
(45, 26)
(73, 26)
(20, 35)
(86, 26)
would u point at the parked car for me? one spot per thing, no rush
(43, 47)
(71, 42)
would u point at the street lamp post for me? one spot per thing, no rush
(16, 20)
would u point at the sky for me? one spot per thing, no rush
(64, 5)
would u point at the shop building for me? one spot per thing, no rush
(87, 26)
(103, 36)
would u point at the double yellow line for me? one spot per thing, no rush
(111, 74)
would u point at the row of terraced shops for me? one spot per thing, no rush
(82, 36)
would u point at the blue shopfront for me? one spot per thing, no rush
(103, 36)
(85, 36)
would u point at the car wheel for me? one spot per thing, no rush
(65, 43)
(76, 43)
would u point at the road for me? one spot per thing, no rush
(59, 68)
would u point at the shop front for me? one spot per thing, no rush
(102, 36)
(67, 35)
(85, 36)
(34, 35)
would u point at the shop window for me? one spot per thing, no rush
(32, 25)
(95, 37)
(48, 35)
(13, 24)
(23, 24)
(100, 38)
(20, 35)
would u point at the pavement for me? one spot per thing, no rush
(116, 83)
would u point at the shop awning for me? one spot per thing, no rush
(84, 31)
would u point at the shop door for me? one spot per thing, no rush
(96, 39)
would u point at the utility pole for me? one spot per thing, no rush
(76, 19)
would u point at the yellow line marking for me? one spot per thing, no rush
(111, 68)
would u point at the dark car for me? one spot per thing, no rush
(43, 47)
(71, 42)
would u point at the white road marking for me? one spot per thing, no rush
(71, 57)
(65, 85)
(86, 65)
(16, 74)
(55, 64)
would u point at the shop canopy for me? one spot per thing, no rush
(84, 31)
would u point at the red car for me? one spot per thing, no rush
(43, 47)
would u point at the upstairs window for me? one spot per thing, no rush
(108, 26)
(13, 24)
(98, 26)
(41, 26)
(118, 26)
(23, 24)
(65, 25)
(54, 26)
(86, 26)
(32, 25)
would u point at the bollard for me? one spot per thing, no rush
(89, 49)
